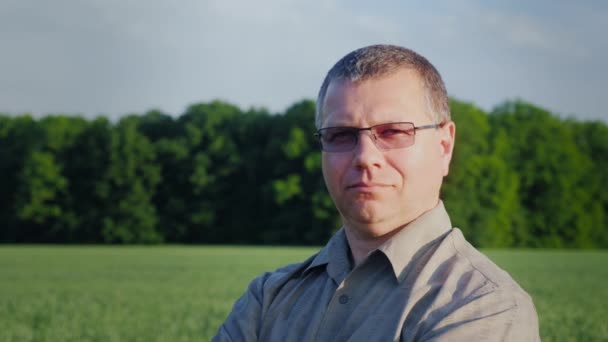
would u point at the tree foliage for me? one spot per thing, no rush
(520, 177)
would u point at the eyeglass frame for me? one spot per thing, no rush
(318, 134)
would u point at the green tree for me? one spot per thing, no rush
(19, 136)
(519, 177)
(303, 212)
(551, 172)
(592, 139)
(214, 158)
(40, 187)
(481, 190)
(128, 186)
(85, 165)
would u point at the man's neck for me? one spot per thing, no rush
(361, 245)
(362, 242)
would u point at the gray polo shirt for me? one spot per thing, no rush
(426, 283)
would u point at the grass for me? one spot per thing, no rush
(568, 288)
(171, 293)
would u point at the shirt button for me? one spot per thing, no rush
(343, 299)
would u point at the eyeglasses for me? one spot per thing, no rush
(386, 136)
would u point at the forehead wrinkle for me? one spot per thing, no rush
(378, 119)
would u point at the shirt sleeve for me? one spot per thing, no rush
(496, 316)
(244, 320)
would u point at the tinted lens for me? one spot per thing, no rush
(385, 136)
(394, 135)
(338, 139)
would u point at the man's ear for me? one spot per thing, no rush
(447, 139)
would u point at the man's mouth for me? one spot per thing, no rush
(366, 185)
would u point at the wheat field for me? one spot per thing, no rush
(183, 293)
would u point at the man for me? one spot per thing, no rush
(397, 270)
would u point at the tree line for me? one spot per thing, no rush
(520, 177)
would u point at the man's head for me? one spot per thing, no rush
(388, 177)
(376, 61)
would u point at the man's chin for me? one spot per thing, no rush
(372, 223)
(366, 212)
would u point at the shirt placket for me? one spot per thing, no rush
(337, 310)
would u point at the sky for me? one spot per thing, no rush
(118, 57)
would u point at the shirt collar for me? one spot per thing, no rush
(415, 238)
(400, 250)
(336, 255)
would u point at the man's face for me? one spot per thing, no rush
(378, 191)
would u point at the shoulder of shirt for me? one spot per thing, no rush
(495, 279)
(459, 283)
(503, 292)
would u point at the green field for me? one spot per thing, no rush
(184, 293)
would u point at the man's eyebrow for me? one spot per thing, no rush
(340, 124)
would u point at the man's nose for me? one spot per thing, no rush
(366, 153)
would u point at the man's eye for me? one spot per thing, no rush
(341, 136)
(392, 132)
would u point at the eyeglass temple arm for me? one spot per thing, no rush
(429, 126)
